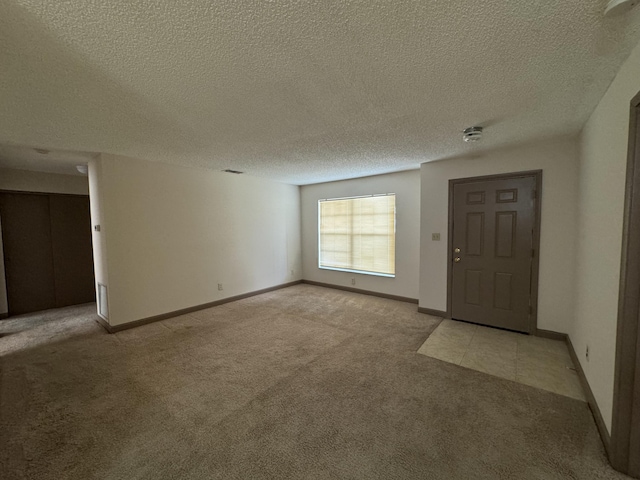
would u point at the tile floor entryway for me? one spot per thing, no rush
(535, 361)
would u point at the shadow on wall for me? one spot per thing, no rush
(43, 78)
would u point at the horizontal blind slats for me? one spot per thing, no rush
(358, 234)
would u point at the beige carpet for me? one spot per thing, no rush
(301, 383)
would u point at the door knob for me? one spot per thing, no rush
(457, 250)
(457, 259)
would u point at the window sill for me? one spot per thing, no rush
(361, 272)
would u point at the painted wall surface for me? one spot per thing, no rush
(97, 221)
(174, 233)
(406, 186)
(27, 181)
(558, 161)
(603, 159)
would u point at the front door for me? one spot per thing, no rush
(493, 242)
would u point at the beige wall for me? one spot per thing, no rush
(173, 233)
(97, 222)
(406, 186)
(603, 159)
(27, 181)
(558, 161)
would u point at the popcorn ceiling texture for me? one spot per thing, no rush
(301, 92)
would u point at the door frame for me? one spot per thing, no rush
(625, 427)
(29, 192)
(537, 176)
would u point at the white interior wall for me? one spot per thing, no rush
(558, 161)
(174, 233)
(97, 222)
(603, 159)
(28, 181)
(406, 186)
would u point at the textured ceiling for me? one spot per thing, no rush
(297, 91)
(39, 160)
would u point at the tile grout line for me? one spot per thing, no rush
(468, 345)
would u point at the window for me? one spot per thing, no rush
(358, 234)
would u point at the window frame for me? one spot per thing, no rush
(348, 270)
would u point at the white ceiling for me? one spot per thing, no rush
(301, 92)
(43, 160)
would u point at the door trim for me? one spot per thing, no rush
(537, 176)
(625, 427)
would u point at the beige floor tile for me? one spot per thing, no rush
(454, 325)
(538, 362)
(562, 380)
(455, 332)
(450, 339)
(538, 345)
(543, 359)
(491, 332)
(446, 353)
(487, 360)
(492, 339)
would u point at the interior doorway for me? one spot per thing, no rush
(625, 431)
(48, 259)
(493, 243)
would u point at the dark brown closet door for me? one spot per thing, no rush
(72, 253)
(26, 236)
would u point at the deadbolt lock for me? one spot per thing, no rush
(457, 259)
(457, 250)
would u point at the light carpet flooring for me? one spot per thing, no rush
(535, 361)
(300, 383)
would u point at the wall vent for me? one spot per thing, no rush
(237, 172)
(103, 303)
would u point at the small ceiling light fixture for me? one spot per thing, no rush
(83, 169)
(618, 7)
(472, 134)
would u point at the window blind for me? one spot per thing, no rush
(358, 234)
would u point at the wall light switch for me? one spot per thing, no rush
(96, 228)
(435, 237)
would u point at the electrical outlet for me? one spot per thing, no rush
(292, 273)
(353, 281)
(220, 287)
(586, 353)
(435, 237)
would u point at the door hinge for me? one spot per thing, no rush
(530, 309)
(534, 194)
(533, 253)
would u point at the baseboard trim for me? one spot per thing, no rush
(104, 324)
(364, 292)
(430, 311)
(164, 316)
(591, 400)
(563, 337)
(4, 315)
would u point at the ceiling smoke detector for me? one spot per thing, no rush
(472, 134)
(618, 7)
